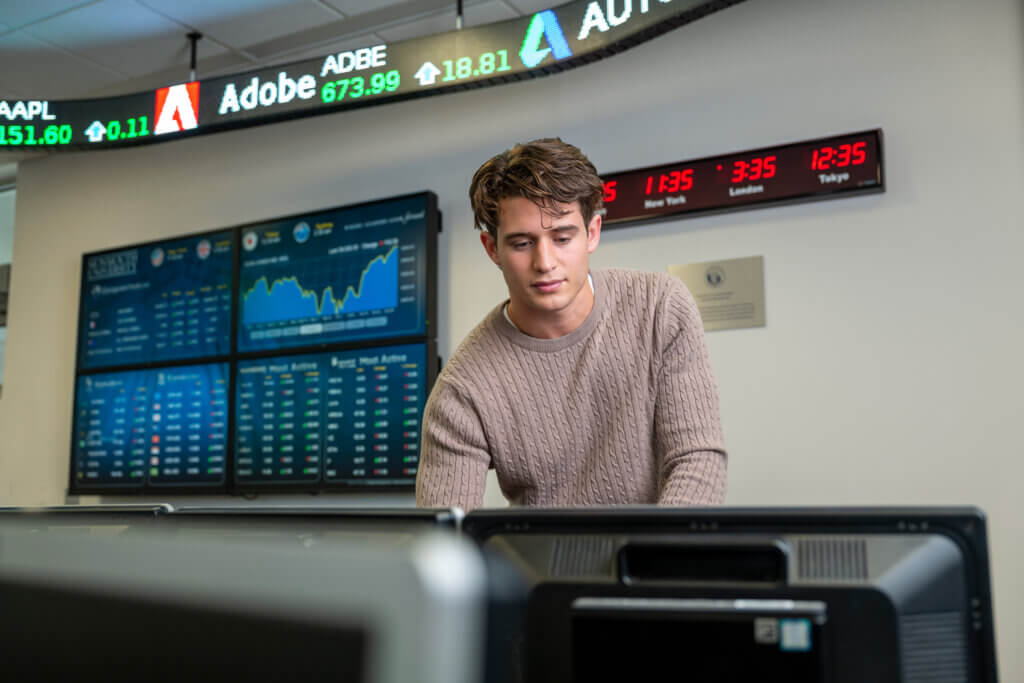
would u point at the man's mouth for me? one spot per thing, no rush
(547, 285)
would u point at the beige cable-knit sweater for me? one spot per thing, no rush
(624, 409)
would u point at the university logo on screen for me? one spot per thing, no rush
(177, 108)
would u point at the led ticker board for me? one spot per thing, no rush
(345, 418)
(817, 169)
(161, 301)
(338, 276)
(564, 37)
(142, 429)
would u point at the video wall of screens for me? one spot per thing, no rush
(288, 355)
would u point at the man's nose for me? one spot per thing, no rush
(544, 256)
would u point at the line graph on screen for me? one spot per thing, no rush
(287, 298)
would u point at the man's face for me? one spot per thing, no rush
(545, 260)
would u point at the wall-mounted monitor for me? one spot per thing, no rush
(156, 302)
(347, 418)
(338, 276)
(152, 428)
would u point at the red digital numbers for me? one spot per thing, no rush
(673, 181)
(610, 191)
(842, 156)
(758, 168)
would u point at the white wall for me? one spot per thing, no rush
(6, 244)
(6, 225)
(888, 372)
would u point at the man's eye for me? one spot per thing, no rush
(520, 245)
(563, 240)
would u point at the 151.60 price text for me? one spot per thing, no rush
(29, 135)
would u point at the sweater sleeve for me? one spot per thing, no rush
(688, 434)
(454, 457)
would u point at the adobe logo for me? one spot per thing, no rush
(177, 108)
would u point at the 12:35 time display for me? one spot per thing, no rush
(840, 156)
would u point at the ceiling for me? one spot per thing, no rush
(70, 49)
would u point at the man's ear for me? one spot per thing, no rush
(490, 246)
(593, 233)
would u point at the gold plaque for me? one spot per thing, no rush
(729, 294)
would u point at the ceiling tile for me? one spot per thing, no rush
(442, 22)
(261, 20)
(531, 6)
(8, 92)
(47, 72)
(18, 14)
(353, 8)
(123, 35)
(325, 49)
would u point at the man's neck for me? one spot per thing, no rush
(557, 325)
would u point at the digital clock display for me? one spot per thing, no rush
(816, 169)
(551, 40)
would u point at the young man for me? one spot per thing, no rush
(583, 388)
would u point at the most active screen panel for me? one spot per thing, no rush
(162, 301)
(153, 428)
(566, 36)
(345, 418)
(342, 275)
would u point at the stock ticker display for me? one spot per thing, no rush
(164, 301)
(166, 395)
(570, 35)
(338, 276)
(166, 427)
(346, 417)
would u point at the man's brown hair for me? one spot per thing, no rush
(546, 171)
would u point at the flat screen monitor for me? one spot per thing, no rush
(347, 418)
(303, 526)
(797, 595)
(309, 526)
(157, 302)
(343, 275)
(89, 519)
(153, 429)
(174, 608)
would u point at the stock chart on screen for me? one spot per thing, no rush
(157, 427)
(162, 301)
(335, 276)
(347, 417)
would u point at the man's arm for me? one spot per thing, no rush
(688, 430)
(453, 457)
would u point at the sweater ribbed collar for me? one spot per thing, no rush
(510, 332)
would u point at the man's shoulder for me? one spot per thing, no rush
(476, 351)
(640, 287)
